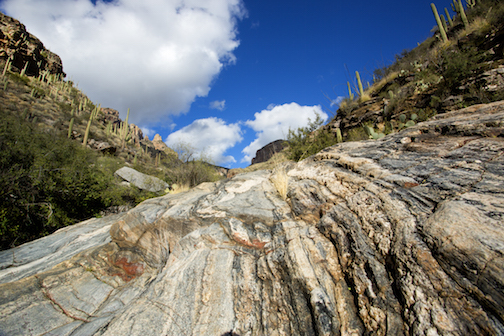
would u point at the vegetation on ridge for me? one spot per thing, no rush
(440, 75)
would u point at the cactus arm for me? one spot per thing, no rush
(450, 21)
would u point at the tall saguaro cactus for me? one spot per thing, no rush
(455, 7)
(350, 94)
(471, 3)
(88, 127)
(462, 14)
(439, 23)
(125, 130)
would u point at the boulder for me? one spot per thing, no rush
(141, 180)
(398, 236)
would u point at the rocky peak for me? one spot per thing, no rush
(265, 153)
(159, 143)
(398, 236)
(23, 48)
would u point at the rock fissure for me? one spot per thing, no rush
(60, 307)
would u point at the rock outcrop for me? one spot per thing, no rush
(141, 180)
(265, 153)
(25, 49)
(399, 236)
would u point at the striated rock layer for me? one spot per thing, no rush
(400, 236)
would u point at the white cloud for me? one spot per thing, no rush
(153, 56)
(274, 123)
(218, 105)
(337, 101)
(210, 137)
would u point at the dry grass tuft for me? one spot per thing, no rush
(378, 86)
(478, 25)
(280, 180)
(178, 188)
(364, 98)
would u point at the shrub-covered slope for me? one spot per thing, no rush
(59, 150)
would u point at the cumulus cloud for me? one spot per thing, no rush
(274, 123)
(153, 56)
(218, 105)
(210, 138)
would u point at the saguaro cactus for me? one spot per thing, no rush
(439, 23)
(70, 127)
(125, 130)
(361, 89)
(471, 3)
(443, 20)
(450, 21)
(462, 14)
(86, 134)
(339, 138)
(455, 7)
(7, 66)
(350, 94)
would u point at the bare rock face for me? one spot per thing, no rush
(159, 143)
(399, 236)
(265, 153)
(22, 48)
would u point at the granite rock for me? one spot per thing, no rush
(141, 180)
(399, 236)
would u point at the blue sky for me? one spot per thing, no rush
(225, 76)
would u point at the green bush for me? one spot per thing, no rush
(46, 182)
(458, 65)
(309, 140)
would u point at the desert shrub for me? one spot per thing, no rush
(46, 182)
(357, 134)
(458, 65)
(190, 168)
(308, 140)
(194, 172)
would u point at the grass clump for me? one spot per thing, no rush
(280, 180)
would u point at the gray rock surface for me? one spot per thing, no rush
(141, 180)
(399, 236)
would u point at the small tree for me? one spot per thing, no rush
(309, 140)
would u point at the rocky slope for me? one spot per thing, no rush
(22, 48)
(34, 85)
(399, 236)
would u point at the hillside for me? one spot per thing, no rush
(60, 150)
(397, 236)
(434, 78)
